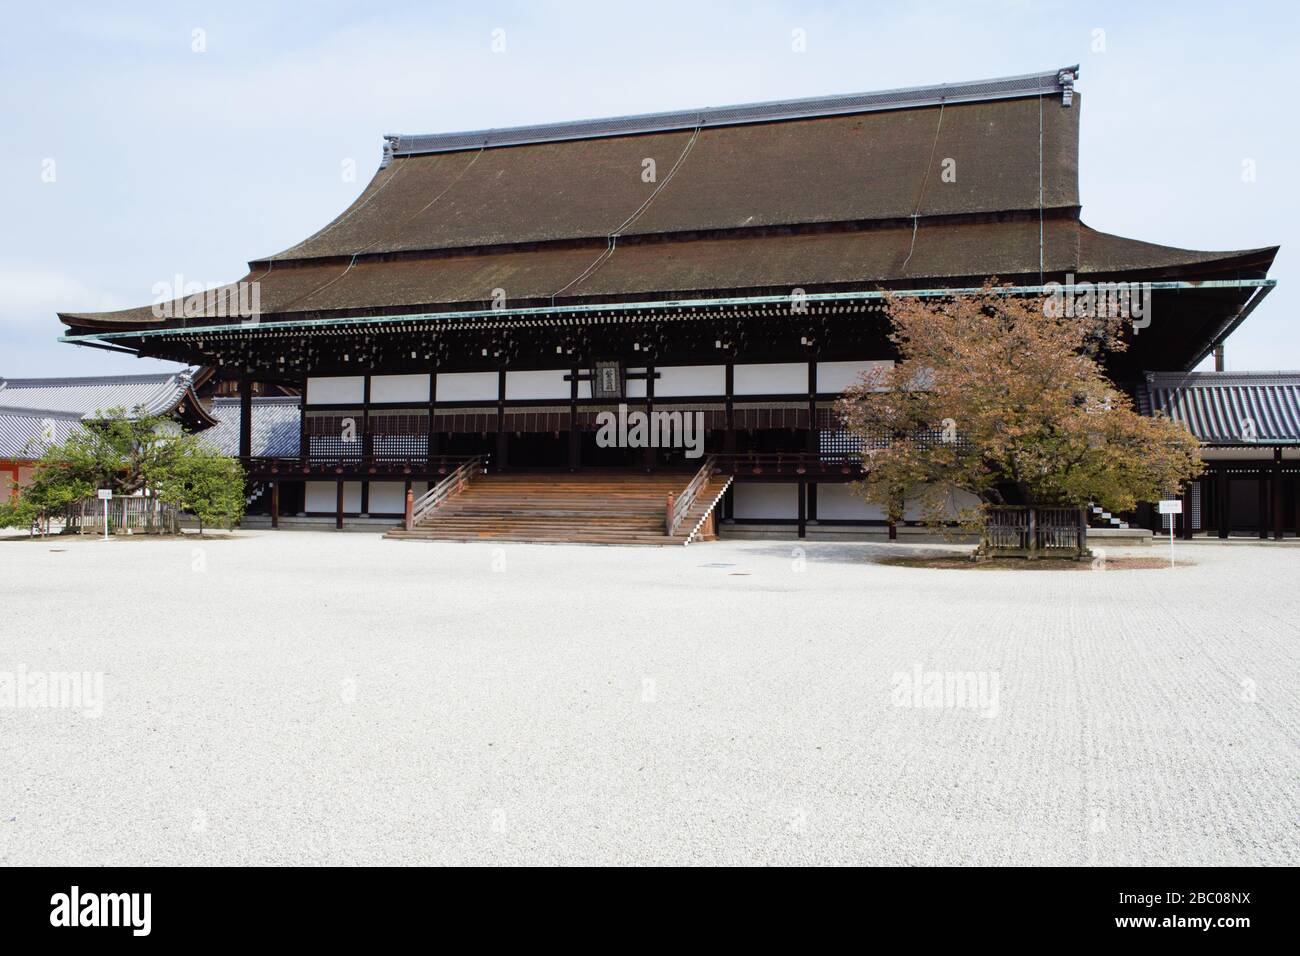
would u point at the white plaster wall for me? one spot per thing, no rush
(467, 386)
(389, 497)
(677, 380)
(835, 502)
(399, 388)
(336, 390)
(764, 500)
(837, 376)
(774, 378)
(636, 386)
(320, 496)
(548, 383)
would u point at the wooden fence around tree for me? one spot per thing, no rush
(1032, 532)
(129, 514)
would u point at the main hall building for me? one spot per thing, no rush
(490, 293)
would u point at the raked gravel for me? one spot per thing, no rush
(314, 697)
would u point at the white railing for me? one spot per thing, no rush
(710, 509)
(443, 490)
(677, 510)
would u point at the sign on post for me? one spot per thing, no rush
(1171, 507)
(105, 495)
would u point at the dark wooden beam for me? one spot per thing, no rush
(651, 375)
(304, 440)
(275, 504)
(1275, 482)
(575, 437)
(1223, 490)
(503, 440)
(803, 509)
(245, 418)
(1261, 476)
(432, 443)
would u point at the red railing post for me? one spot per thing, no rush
(410, 508)
(668, 523)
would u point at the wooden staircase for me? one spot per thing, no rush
(605, 508)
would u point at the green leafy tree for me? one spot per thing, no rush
(195, 477)
(997, 396)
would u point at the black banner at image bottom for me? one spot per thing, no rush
(136, 906)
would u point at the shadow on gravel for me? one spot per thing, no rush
(962, 562)
(844, 552)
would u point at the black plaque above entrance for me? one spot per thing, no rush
(607, 382)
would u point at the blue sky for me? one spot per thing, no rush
(169, 160)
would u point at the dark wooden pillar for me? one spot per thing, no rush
(1295, 502)
(338, 506)
(503, 439)
(1262, 476)
(367, 440)
(304, 437)
(1223, 490)
(432, 438)
(650, 453)
(812, 444)
(729, 434)
(803, 509)
(575, 436)
(275, 504)
(1275, 483)
(1186, 516)
(812, 502)
(245, 418)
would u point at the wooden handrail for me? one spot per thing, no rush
(677, 511)
(780, 463)
(443, 490)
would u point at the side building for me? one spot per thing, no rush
(36, 413)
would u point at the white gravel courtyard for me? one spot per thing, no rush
(315, 697)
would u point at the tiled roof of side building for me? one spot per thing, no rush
(275, 426)
(151, 394)
(25, 433)
(1231, 408)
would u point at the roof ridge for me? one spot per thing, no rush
(970, 91)
(25, 412)
(61, 381)
(262, 399)
(1212, 375)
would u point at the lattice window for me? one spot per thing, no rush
(754, 416)
(466, 421)
(399, 446)
(537, 419)
(839, 442)
(399, 421)
(586, 420)
(335, 434)
(715, 413)
(829, 418)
